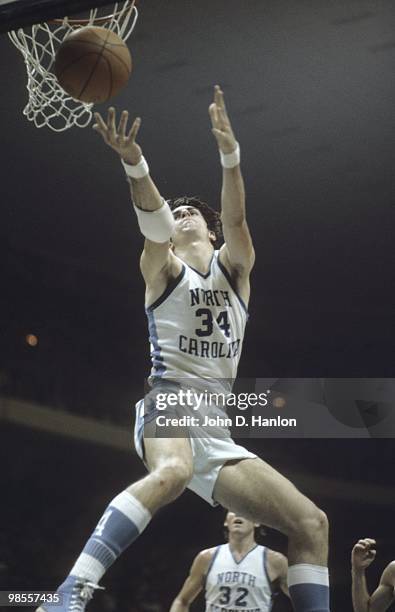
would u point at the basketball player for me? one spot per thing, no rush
(196, 299)
(239, 574)
(363, 554)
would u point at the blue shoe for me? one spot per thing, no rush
(75, 594)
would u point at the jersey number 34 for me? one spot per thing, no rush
(206, 328)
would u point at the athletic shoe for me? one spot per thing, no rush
(74, 593)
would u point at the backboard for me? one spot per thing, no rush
(16, 14)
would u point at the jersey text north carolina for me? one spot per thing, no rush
(197, 326)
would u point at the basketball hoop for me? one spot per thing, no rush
(49, 105)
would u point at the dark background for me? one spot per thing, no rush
(310, 91)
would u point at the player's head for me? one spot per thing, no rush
(195, 219)
(238, 527)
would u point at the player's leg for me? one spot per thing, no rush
(170, 463)
(253, 489)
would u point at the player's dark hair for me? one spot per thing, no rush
(211, 216)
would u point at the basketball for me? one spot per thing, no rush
(93, 64)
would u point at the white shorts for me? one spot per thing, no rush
(209, 455)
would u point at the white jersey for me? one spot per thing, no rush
(196, 327)
(238, 585)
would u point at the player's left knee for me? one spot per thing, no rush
(320, 521)
(173, 477)
(314, 524)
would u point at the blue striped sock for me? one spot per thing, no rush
(122, 522)
(309, 587)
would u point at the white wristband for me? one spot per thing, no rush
(136, 171)
(230, 160)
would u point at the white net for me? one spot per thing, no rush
(49, 105)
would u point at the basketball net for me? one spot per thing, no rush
(49, 105)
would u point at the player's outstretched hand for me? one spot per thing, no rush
(363, 553)
(221, 127)
(124, 143)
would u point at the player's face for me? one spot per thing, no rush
(189, 222)
(237, 525)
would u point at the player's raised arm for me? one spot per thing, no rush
(238, 250)
(363, 554)
(153, 213)
(194, 582)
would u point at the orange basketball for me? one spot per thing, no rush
(93, 64)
